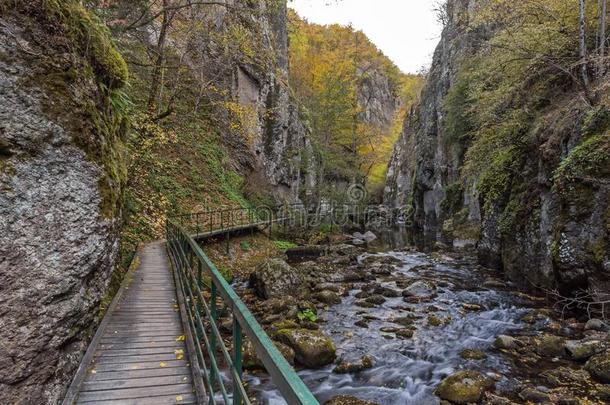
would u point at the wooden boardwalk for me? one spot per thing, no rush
(140, 353)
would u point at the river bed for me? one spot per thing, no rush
(406, 371)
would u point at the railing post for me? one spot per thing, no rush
(237, 343)
(197, 219)
(214, 314)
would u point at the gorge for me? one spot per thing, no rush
(117, 115)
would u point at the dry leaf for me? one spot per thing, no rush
(162, 364)
(180, 338)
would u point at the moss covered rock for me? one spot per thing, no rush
(93, 40)
(352, 367)
(347, 400)
(251, 360)
(464, 387)
(473, 354)
(599, 367)
(312, 348)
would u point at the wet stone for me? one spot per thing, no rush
(375, 299)
(353, 367)
(347, 400)
(464, 387)
(473, 354)
(599, 367)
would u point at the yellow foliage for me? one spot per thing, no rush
(327, 66)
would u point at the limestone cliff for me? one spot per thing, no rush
(546, 222)
(61, 179)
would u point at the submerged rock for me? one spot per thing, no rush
(599, 367)
(312, 348)
(464, 387)
(420, 290)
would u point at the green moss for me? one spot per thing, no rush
(598, 250)
(283, 245)
(454, 196)
(93, 40)
(229, 181)
(585, 163)
(597, 120)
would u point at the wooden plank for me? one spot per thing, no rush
(138, 373)
(80, 374)
(136, 339)
(113, 352)
(157, 400)
(135, 360)
(142, 345)
(135, 383)
(132, 393)
(142, 365)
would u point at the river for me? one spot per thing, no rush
(406, 371)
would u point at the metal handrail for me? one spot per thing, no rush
(191, 265)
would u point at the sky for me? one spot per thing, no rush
(405, 30)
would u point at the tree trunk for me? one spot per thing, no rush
(603, 6)
(583, 43)
(155, 82)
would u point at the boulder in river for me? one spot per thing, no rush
(328, 297)
(386, 291)
(368, 236)
(251, 360)
(420, 290)
(312, 348)
(599, 367)
(550, 345)
(376, 299)
(353, 367)
(276, 279)
(473, 354)
(506, 342)
(533, 395)
(597, 324)
(347, 400)
(464, 387)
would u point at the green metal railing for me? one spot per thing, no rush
(202, 287)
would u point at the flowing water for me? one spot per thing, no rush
(407, 371)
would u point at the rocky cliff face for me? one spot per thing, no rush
(377, 98)
(61, 178)
(280, 143)
(422, 166)
(548, 228)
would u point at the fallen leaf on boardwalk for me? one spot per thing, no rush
(162, 364)
(179, 354)
(179, 398)
(180, 338)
